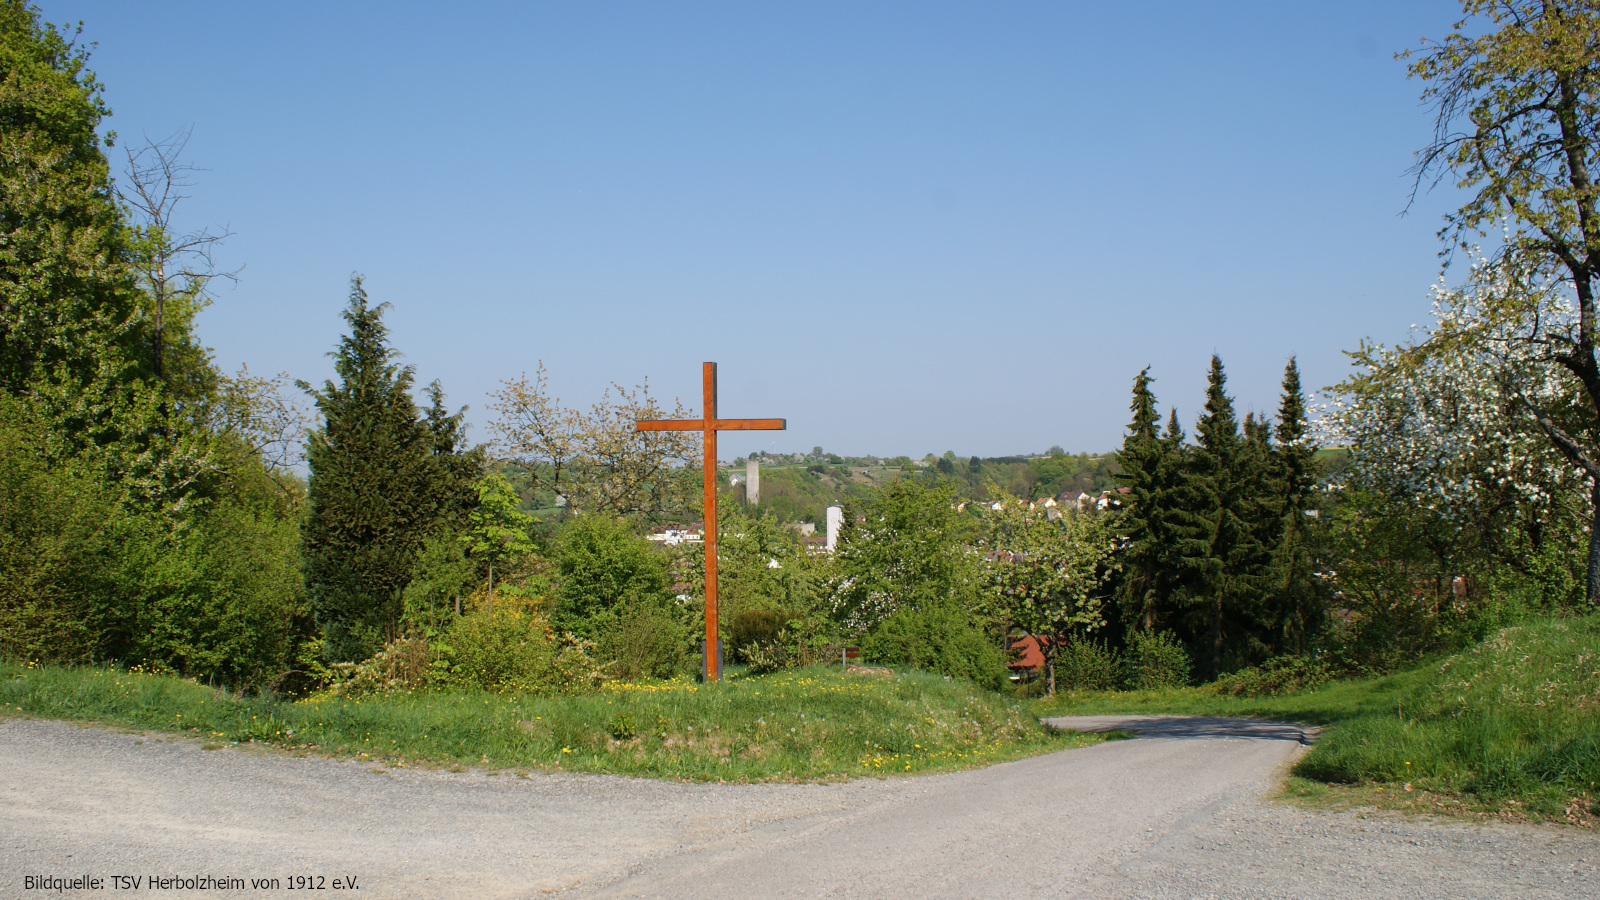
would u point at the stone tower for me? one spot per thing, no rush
(752, 481)
(835, 522)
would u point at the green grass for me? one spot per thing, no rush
(1511, 725)
(812, 724)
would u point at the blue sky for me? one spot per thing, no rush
(905, 227)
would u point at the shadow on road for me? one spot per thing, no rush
(1189, 727)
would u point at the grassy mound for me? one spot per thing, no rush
(1516, 718)
(1511, 724)
(810, 724)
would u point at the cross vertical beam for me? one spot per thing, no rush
(709, 424)
(708, 409)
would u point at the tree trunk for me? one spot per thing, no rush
(491, 586)
(1216, 643)
(1050, 664)
(1593, 592)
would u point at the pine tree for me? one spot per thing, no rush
(1218, 548)
(1144, 468)
(1296, 594)
(371, 498)
(456, 467)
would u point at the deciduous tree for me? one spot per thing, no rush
(1516, 87)
(595, 460)
(1048, 575)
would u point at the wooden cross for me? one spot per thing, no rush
(710, 425)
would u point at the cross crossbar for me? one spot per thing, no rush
(714, 424)
(709, 425)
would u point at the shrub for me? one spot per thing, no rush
(1156, 660)
(642, 638)
(501, 649)
(1087, 665)
(764, 659)
(752, 628)
(61, 536)
(802, 641)
(1277, 676)
(82, 578)
(942, 639)
(242, 599)
(601, 563)
(401, 665)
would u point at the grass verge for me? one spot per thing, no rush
(1509, 728)
(805, 725)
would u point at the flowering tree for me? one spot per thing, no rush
(908, 551)
(595, 459)
(1047, 576)
(1459, 426)
(1518, 101)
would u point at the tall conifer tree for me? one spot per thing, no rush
(1146, 465)
(456, 466)
(1218, 547)
(372, 497)
(1297, 598)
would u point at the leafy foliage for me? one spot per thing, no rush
(601, 564)
(1047, 574)
(1279, 675)
(1156, 660)
(644, 639)
(67, 295)
(942, 638)
(1086, 664)
(910, 550)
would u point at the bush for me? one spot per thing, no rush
(1276, 677)
(1086, 665)
(642, 638)
(941, 639)
(498, 650)
(601, 563)
(1156, 660)
(754, 628)
(401, 665)
(243, 596)
(218, 597)
(61, 537)
(802, 641)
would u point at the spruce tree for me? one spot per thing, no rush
(1218, 548)
(372, 494)
(456, 467)
(1296, 593)
(1143, 468)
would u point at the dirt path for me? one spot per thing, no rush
(1176, 813)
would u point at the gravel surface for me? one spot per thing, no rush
(1175, 813)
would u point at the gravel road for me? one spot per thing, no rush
(1176, 813)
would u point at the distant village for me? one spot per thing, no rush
(831, 478)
